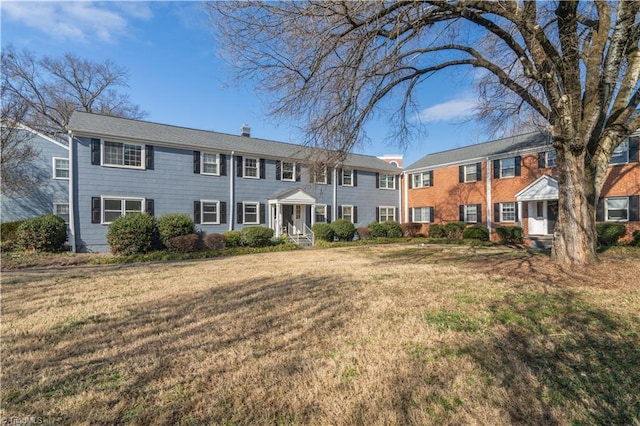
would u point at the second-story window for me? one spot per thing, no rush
(424, 179)
(250, 168)
(387, 181)
(210, 163)
(122, 154)
(288, 171)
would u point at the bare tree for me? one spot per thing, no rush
(52, 88)
(573, 65)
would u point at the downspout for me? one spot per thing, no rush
(72, 219)
(232, 175)
(489, 203)
(334, 210)
(403, 200)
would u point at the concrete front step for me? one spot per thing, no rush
(541, 241)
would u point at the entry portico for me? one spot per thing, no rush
(292, 212)
(541, 198)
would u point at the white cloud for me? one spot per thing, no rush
(459, 108)
(77, 21)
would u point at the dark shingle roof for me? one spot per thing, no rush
(88, 124)
(482, 151)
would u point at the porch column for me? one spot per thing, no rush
(278, 223)
(520, 214)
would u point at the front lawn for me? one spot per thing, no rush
(389, 334)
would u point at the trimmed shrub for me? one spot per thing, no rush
(9, 234)
(364, 232)
(610, 233)
(43, 233)
(233, 239)
(343, 229)
(184, 243)
(214, 241)
(411, 229)
(436, 231)
(392, 229)
(323, 231)
(510, 234)
(476, 232)
(377, 230)
(636, 238)
(454, 230)
(257, 236)
(131, 234)
(172, 225)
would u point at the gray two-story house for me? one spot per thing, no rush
(226, 182)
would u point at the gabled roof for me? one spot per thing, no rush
(482, 151)
(295, 195)
(87, 124)
(543, 188)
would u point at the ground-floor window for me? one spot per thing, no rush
(386, 213)
(347, 213)
(321, 213)
(422, 214)
(113, 208)
(62, 210)
(507, 212)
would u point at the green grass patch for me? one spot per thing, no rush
(453, 320)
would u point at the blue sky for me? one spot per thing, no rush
(175, 73)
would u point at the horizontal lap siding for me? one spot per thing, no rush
(366, 197)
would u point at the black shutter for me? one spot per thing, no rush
(496, 169)
(542, 160)
(432, 214)
(633, 150)
(496, 212)
(328, 211)
(95, 152)
(355, 177)
(515, 205)
(278, 169)
(196, 162)
(223, 212)
(339, 212)
(239, 213)
(263, 214)
(329, 174)
(239, 171)
(355, 214)
(377, 214)
(223, 165)
(600, 210)
(340, 172)
(633, 208)
(410, 184)
(478, 172)
(479, 212)
(518, 165)
(262, 168)
(461, 213)
(148, 149)
(196, 212)
(377, 180)
(461, 174)
(95, 210)
(150, 206)
(411, 209)
(297, 167)
(431, 178)
(397, 215)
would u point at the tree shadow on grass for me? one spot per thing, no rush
(209, 342)
(562, 360)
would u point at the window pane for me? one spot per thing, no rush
(508, 211)
(619, 155)
(508, 167)
(209, 212)
(617, 208)
(251, 213)
(111, 216)
(471, 213)
(132, 155)
(551, 159)
(250, 167)
(288, 171)
(113, 153)
(132, 206)
(321, 213)
(347, 177)
(112, 204)
(61, 168)
(470, 173)
(209, 163)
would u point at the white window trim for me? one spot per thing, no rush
(350, 174)
(624, 144)
(393, 209)
(55, 175)
(244, 167)
(475, 173)
(422, 180)
(324, 173)
(546, 159)
(116, 197)
(202, 163)
(606, 209)
(413, 215)
(55, 210)
(342, 211)
(143, 155)
(502, 219)
(502, 176)
(387, 181)
(315, 213)
(293, 178)
(217, 203)
(244, 212)
(466, 213)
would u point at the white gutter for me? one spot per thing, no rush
(232, 174)
(72, 221)
(489, 203)
(403, 201)
(335, 194)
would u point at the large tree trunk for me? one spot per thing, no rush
(575, 239)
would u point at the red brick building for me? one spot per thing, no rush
(509, 182)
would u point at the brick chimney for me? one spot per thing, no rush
(245, 130)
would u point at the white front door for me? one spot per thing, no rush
(540, 221)
(299, 213)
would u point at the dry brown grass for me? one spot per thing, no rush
(362, 335)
